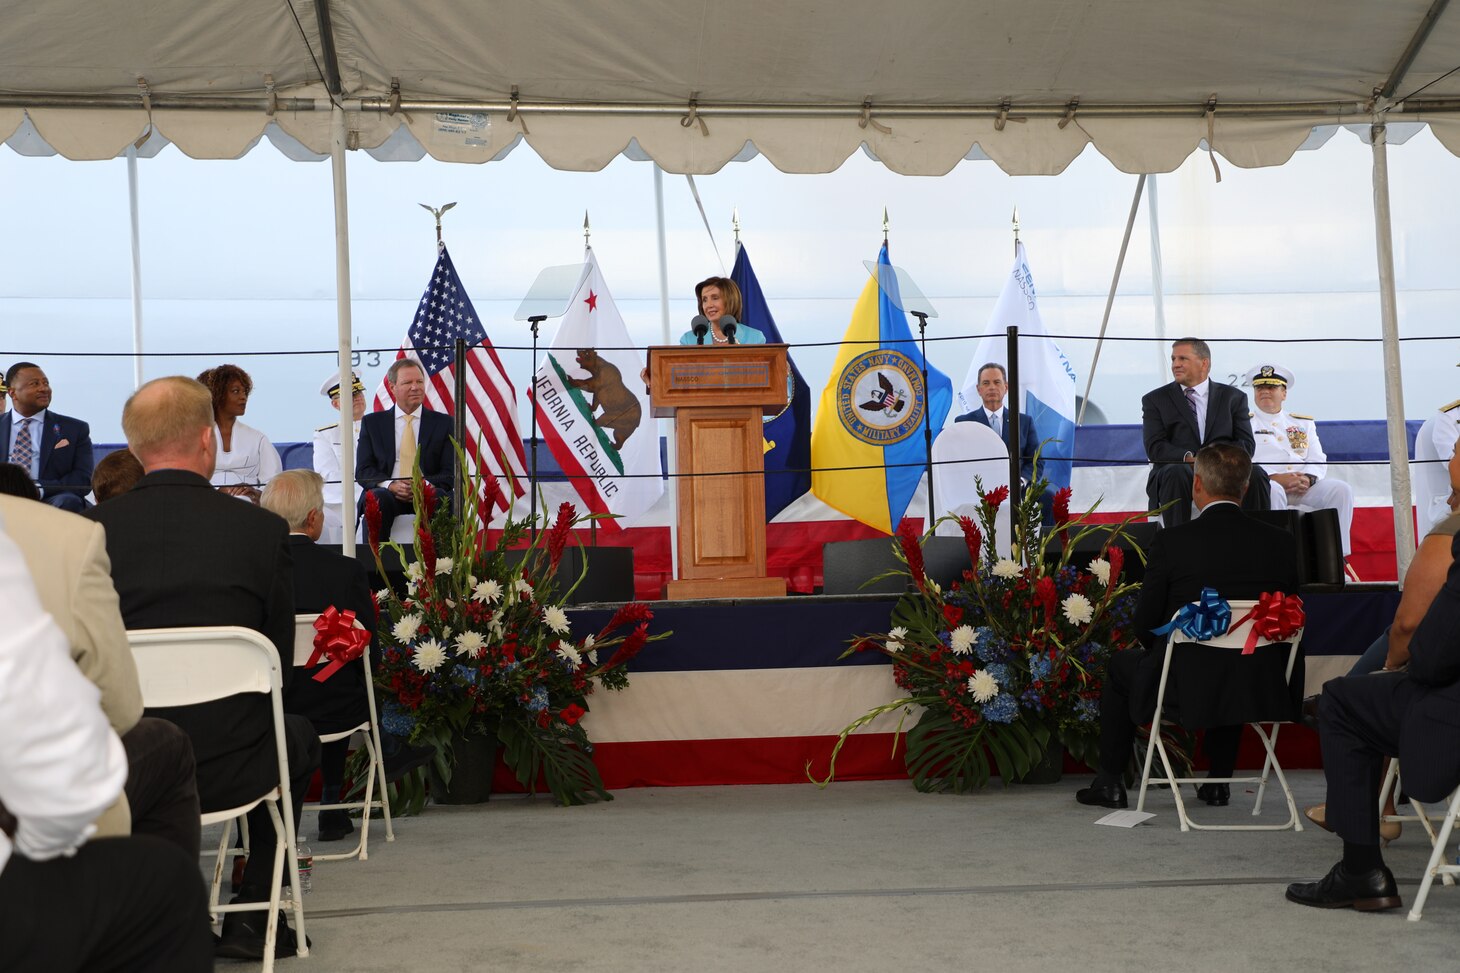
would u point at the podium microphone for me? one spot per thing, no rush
(701, 327)
(728, 325)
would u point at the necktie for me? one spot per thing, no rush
(24, 450)
(996, 424)
(1191, 401)
(408, 448)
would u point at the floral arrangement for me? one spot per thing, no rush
(478, 643)
(1009, 659)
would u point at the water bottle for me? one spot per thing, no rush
(306, 867)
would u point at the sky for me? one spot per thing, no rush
(238, 264)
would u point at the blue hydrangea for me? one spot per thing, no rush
(1032, 702)
(396, 721)
(989, 646)
(539, 701)
(466, 674)
(1001, 709)
(1040, 667)
(1000, 672)
(1087, 710)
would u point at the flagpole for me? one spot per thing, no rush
(458, 390)
(134, 208)
(342, 312)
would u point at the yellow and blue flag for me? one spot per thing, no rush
(867, 446)
(788, 433)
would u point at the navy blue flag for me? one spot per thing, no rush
(788, 434)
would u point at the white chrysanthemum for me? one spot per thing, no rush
(556, 619)
(569, 654)
(470, 643)
(429, 656)
(1078, 610)
(1101, 569)
(444, 565)
(488, 591)
(593, 657)
(382, 595)
(895, 637)
(414, 571)
(961, 640)
(523, 588)
(406, 628)
(1005, 568)
(983, 686)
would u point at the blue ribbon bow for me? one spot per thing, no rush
(1200, 620)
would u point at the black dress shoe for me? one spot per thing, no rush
(1371, 891)
(403, 759)
(1100, 794)
(1309, 717)
(1217, 795)
(335, 825)
(243, 937)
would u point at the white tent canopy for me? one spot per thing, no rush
(923, 85)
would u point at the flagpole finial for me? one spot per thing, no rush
(586, 232)
(884, 224)
(1015, 221)
(735, 222)
(438, 213)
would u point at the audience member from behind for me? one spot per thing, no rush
(16, 482)
(323, 578)
(1210, 688)
(133, 903)
(117, 473)
(246, 459)
(184, 555)
(54, 449)
(67, 560)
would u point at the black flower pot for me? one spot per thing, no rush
(474, 759)
(1051, 766)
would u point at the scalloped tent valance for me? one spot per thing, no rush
(694, 85)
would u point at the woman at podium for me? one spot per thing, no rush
(717, 322)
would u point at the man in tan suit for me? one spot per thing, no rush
(67, 559)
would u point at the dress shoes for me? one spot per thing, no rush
(335, 825)
(1217, 795)
(243, 937)
(1371, 891)
(1100, 794)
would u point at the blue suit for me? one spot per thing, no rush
(744, 335)
(65, 470)
(1028, 442)
(375, 460)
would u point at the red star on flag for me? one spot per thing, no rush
(591, 301)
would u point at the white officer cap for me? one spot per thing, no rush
(331, 386)
(1270, 375)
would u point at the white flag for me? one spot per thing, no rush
(1045, 376)
(592, 407)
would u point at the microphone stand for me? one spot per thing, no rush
(927, 412)
(533, 322)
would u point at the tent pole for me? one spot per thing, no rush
(669, 442)
(135, 209)
(1130, 221)
(342, 311)
(1158, 273)
(1393, 385)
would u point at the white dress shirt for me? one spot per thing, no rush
(999, 416)
(61, 764)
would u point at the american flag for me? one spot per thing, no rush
(445, 314)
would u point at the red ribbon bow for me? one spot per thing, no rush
(338, 638)
(1276, 617)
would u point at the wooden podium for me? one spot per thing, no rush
(717, 395)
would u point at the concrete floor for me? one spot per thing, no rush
(861, 876)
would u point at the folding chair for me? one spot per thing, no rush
(1437, 867)
(1393, 782)
(1234, 640)
(304, 633)
(187, 666)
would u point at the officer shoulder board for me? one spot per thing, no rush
(1296, 416)
(1451, 407)
(332, 425)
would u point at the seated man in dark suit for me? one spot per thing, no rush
(993, 388)
(1180, 418)
(1406, 713)
(184, 554)
(392, 442)
(54, 449)
(323, 578)
(1208, 688)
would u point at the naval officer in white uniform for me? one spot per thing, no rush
(1288, 448)
(327, 455)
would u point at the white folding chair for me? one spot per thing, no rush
(1234, 640)
(370, 733)
(1437, 866)
(188, 666)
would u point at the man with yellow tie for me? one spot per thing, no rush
(393, 442)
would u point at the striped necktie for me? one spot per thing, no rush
(24, 450)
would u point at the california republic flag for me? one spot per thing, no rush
(592, 408)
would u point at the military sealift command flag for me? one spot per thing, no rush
(592, 409)
(788, 433)
(867, 447)
(1046, 378)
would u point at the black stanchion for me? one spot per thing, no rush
(927, 415)
(533, 322)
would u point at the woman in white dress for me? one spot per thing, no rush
(246, 458)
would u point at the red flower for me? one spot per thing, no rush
(426, 550)
(1116, 557)
(558, 536)
(428, 498)
(631, 646)
(952, 614)
(1045, 594)
(372, 521)
(572, 713)
(634, 611)
(995, 497)
(972, 538)
(1062, 505)
(544, 718)
(907, 536)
